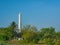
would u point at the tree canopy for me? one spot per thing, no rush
(31, 35)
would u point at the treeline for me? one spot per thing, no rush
(31, 35)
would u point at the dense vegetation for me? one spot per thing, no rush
(30, 34)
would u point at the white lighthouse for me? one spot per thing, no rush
(19, 27)
(19, 23)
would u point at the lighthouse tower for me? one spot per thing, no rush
(19, 23)
(19, 27)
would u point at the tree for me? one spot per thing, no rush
(48, 35)
(29, 33)
(8, 33)
(13, 25)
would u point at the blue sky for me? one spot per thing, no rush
(41, 13)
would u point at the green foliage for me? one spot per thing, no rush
(31, 35)
(7, 33)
